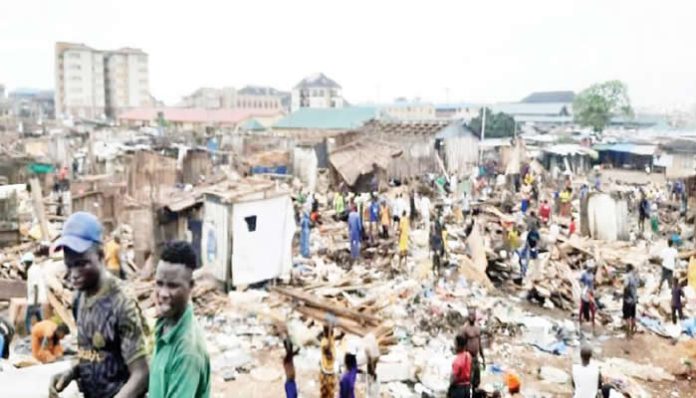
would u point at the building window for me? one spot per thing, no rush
(75, 66)
(142, 59)
(74, 55)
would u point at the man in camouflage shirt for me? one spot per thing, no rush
(112, 355)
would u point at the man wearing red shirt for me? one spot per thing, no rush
(460, 380)
(545, 212)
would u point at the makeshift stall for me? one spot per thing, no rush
(247, 231)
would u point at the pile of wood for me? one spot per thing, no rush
(358, 321)
(10, 258)
(556, 282)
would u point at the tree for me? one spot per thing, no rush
(595, 106)
(498, 125)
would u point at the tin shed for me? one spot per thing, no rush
(247, 231)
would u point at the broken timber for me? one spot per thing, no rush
(316, 302)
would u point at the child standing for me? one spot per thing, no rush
(347, 385)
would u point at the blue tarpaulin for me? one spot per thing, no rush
(689, 327)
(269, 170)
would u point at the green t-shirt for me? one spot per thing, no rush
(180, 366)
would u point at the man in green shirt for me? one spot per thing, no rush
(180, 366)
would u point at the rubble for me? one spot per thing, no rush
(529, 322)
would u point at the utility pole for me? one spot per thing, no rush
(483, 134)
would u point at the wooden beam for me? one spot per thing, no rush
(39, 211)
(326, 306)
(62, 312)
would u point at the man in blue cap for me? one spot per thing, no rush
(112, 351)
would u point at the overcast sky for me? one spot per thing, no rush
(377, 50)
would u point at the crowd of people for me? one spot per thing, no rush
(115, 358)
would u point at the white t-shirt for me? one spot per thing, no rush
(586, 379)
(35, 278)
(669, 256)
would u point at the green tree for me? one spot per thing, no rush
(498, 125)
(595, 106)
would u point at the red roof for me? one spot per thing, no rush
(197, 115)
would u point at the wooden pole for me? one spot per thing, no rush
(39, 211)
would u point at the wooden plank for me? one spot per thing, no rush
(328, 307)
(348, 325)
(62, 312)
(12, 288)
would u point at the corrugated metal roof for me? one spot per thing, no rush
(519, 108)
(358, 157)
(406, 127)
(646, 150)
(247, 189)
(549, 96)
(543, 119)
(570, 149)
(328, 118)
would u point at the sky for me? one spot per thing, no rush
(440, 51)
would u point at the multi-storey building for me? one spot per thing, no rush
(95, 83)
(247, 98)
(317, 91)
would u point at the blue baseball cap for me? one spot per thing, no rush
(80, 231)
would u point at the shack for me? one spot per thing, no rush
(627, 156)
(247, 231)
(426, 145)
(604, 216)
(362, 164)
(180, 217)
(574, 158)
(678, 157)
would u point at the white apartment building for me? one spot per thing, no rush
(317, 91)
(93, 83)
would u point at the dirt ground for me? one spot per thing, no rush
(632, 177)
(507, 351)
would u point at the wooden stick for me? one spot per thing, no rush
(39, 210)
(328, 307)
